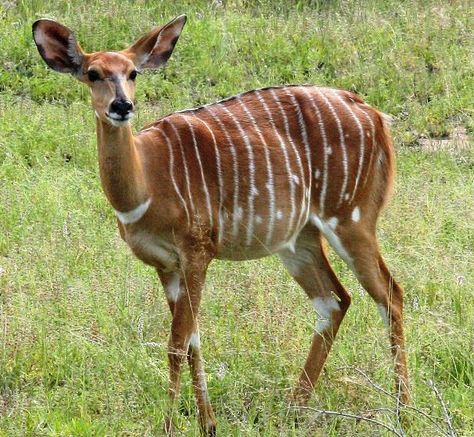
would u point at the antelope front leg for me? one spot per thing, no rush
(183, 292)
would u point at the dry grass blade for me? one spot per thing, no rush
(355, 417)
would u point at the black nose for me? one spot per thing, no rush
(121, 107)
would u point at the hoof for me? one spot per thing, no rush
(209, 429)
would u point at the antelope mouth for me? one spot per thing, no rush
(117, 119)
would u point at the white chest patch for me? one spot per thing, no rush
(129, 217)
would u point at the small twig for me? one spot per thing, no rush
(447, 417)
(399, 403)
(352, 416)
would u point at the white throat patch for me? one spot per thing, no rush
(129, 217)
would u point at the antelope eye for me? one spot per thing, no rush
(133, 75)
(92, 75)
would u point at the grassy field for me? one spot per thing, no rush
(83, 325)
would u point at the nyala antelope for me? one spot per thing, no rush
(269, 171)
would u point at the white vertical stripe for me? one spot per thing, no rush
(252, 190)
(362, 142)
(372, 128)
(186, 171)
(220, 181)
(235, 166)
(322, 130)
(270, 183)
(173, 180)
(304, 136)
(198, 156)
(342, 142)
(287, 160)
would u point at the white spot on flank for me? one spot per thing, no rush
(332, 222)
(279, 214)
(129, 217)
(328, 229)
(173, 288)
(346, 196)
(324, 307)
(258, 219)
(295, 179)
(356, 214)
(383, 314)
(317, 173)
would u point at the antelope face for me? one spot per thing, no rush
(109, 75)
(111, 80)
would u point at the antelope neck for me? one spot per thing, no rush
(120, 167)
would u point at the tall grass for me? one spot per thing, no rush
(84, 325)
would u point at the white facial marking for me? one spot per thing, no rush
(324, 307)
(173, 288)
(356, 214)
(383, 313)
(129, 217)
(328, 229)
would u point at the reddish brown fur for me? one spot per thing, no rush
(271, 140)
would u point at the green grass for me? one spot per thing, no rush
(83, 325)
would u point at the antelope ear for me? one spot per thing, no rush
(58, 47)
(155, 48)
